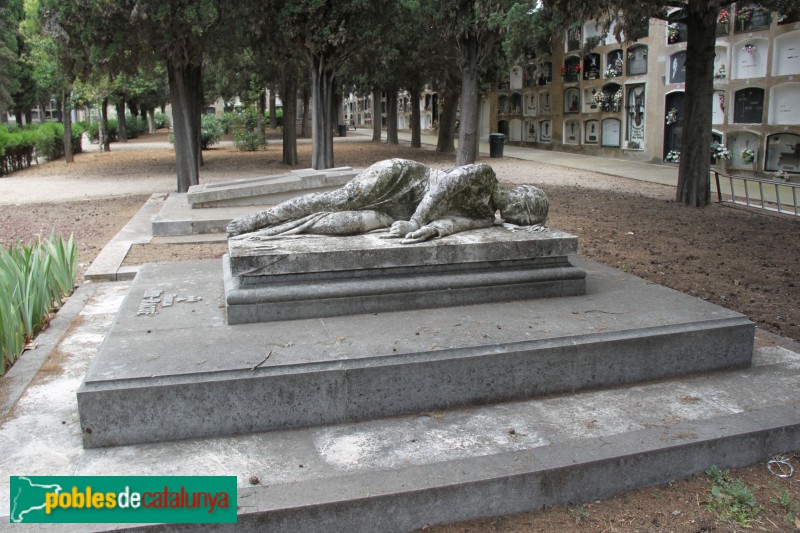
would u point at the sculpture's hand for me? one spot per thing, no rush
(400, 228)
(422, 234)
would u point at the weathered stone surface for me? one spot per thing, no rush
(185, 373)
(286, 278)
(311, 253)
(267, 189)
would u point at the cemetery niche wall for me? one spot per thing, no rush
(783, 153)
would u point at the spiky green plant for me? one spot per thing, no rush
(33, 280)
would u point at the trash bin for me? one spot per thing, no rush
(496, 141)
(342, 130)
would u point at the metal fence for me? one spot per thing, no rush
(758, 193)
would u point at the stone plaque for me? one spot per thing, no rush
(748, 106)
(591, 67)
(530, 104)
(637, 60)
(545, 131)
(591, 132)
(788, 55)
(783, 152)
(611, 132)
(785, 104)
(572, 100)
(572, 132)
(516, 78)
(677, 67)
(544, 102)
(636, 113)
(530, 131)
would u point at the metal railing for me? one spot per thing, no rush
(759, 193)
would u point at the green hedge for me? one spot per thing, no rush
(34, 278)
(20, 147)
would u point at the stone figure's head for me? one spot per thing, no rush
(524, 205)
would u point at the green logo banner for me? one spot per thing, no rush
(123, 499)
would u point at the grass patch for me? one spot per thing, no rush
(34, 278)
(731, 498)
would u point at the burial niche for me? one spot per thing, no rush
(748, 106)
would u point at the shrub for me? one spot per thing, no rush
(136, 126)
(33, 280)
(94, 131)
(226, 120)
(246, 136)
(161, 120)
(210, 131)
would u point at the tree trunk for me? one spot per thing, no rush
(391, 116)
(289, 97)
(468, 131)
(305, 123)
(694, 182)
(122, 126)
(262, 109)
(186, 114)
(321, 114)
(105, 142)
(447, 119)
(151, 121)
(273, 109)
(416, 133)
(376, 116)
(69, 157)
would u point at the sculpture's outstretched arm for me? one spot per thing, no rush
(446, 226)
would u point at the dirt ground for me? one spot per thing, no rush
(742, 260)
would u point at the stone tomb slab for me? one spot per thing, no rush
(308, 276)
(183, 372)
(267, 190)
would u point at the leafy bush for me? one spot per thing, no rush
(246, 136)
(136, 126)
(278, 117)
(226, 120)
(210, 131)
(33, 280)
(19, 147)
(161, 120)
(94, 131)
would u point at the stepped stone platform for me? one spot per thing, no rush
(309, 276)
(208, 207)
(183, 372)
(267, 189)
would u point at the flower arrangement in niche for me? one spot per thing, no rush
(673, 33)
(780, 175)
(611, 72)
(672, 116)
(750, 48)
(721, 101)
(618, 97)
(748, 155)
(723, 17)
(673, 156)
(598, 97)
(744, 14)
(720, 151)
(720, 74)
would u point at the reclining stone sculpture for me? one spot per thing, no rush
(412, 200)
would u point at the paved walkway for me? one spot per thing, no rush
(663, 174)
